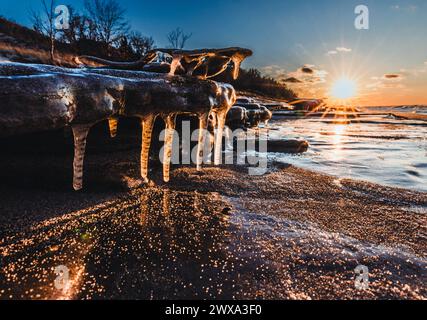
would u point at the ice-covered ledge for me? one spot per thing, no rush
(42, 97)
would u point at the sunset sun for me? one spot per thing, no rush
(344, 89)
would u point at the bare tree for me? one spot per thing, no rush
(140, 44)
(177, 38)
(45, 23)
(109, 19)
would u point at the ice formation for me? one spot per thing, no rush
(202, 63)
(40, 97)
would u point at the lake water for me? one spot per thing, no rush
(375, 148)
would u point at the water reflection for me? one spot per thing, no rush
(154, 244)
(164, 244)
(372, 148)
(165, 248)
(338, 131)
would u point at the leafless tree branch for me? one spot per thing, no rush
(177, 38)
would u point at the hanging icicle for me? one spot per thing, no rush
(176, 63)
(80, 136)
(203, 125)
(170, 131)
(112, 124)
(219, 132)
(147, 131)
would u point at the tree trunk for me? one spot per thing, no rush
(52, 49)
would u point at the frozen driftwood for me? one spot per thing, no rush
(39, 98)
(202, 63)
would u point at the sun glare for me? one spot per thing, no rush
(343, 89)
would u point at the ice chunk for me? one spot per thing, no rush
(80, 136)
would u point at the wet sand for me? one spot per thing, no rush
(215, 234)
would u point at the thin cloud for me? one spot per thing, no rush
(292, 80)
(344, 49)
(338, 50)
(387, 81)
(410, 8)
(274, 71)
(308, 75)
(306, 80)
(392, 76)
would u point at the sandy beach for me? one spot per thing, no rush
(215, 234)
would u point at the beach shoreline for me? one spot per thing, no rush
(289, 234)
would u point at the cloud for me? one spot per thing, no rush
(307, 69)
(387, 81)
(410, 8)
(300, 49)
(307, 80)
(392, 76)
(384, 85)
(292, 80)
(273, 71)
(307, 75)
(411, 72)
(338, 50)
(344, 49)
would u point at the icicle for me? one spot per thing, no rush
(218, 137)
(203, 124)
(237, 61)
(80, 136)
(147, 131)
(113, 123)
(209, 147)
(176, 62)
(170, 131)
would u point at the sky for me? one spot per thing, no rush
(309, 44)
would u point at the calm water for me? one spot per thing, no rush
(375, 148)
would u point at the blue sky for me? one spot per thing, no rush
(288, 34)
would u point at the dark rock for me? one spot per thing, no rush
(288, 146)
(237, 117)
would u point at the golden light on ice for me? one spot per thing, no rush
(344, 89)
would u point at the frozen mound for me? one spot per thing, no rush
(41, 97)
